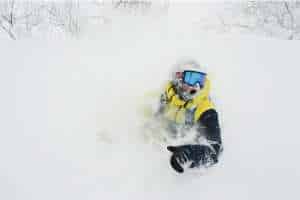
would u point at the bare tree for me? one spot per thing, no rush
(65, 16)
(8, 16)
(282, 15)
(31, 16)
(19, 17)
(132, 4)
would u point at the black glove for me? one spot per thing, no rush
(198, 155)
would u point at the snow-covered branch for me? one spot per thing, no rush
(275, 16)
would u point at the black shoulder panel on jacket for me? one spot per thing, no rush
(209, 118)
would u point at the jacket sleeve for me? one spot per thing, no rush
(163, 101)
(208, 126)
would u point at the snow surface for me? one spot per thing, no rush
(70, 126)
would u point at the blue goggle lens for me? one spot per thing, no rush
(192, 78)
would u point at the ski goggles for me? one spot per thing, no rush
(192, 78)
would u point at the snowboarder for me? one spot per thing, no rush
(186, 105)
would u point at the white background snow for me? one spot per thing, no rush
(70, 126)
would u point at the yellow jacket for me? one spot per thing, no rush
(186, 112)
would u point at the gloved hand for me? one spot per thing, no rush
(198, 155)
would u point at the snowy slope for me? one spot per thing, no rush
(70, 127)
